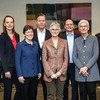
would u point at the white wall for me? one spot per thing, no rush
(17, 8)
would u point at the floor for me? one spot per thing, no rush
(40, 93)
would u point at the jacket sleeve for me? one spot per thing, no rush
(3, 56)
(94, 58)
(39, 63)
(46, 65)
(63, 69)
(75, 56)
(18, 54)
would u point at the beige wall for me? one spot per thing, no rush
(17, 8)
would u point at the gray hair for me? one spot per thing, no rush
(83, 21)
(55, 23)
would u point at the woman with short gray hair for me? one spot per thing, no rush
(55, 60)
(85, 54)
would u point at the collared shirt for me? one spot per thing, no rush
(70, 40)
(14, 42)
(41, 37)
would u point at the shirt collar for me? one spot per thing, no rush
(83, 38)
(25, 43)
(70, 35)
(86, 37)
(42, 31)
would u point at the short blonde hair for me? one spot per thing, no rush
(83, 21)
(55, 23)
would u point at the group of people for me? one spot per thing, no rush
(53, 58)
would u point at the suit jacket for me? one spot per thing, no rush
(7, 51)
(64, 36)
(27, 59)
(55, 59)
(35, 38)
(98, 61)
(0, 52)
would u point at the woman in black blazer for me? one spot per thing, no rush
(9, 39)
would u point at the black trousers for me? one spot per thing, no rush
(87, 88)
(28, 89)
(43, 85)
(8, 85)
(74, 85)
(0, 73)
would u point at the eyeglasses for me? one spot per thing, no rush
(83, 26)
(54, 29)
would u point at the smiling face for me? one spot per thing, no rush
(69, 25)
(83, 28)
(9, 24)
(29, 34)
(54, 31)
(41, 22)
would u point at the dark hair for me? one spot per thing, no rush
(69, 19)
(40, 14)
(26, 27)
(4, 28)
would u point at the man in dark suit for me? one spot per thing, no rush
(70, 36)
(40, 35)
(98, 61)
(0, 61)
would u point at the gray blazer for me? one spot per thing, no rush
(86, 54)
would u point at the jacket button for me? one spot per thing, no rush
(33, 68)
(83, 56)
(85, 46)
(32, 63)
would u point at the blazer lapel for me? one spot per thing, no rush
(51, 42)
(36, 37)
(59, 43)
(17, 39)
(75, 36)
(46, 36)
(65, 36)
(8, 39)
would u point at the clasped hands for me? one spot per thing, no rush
(55, 76)
(83, 71)
(22, 79)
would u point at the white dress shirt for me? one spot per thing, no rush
(41, 37)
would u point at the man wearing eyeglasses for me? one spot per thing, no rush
(70, 36)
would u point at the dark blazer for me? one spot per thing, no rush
(98, 61)
(0, 46)
(27, 59)
(47, 36)
(7, 51)
(63, 36)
